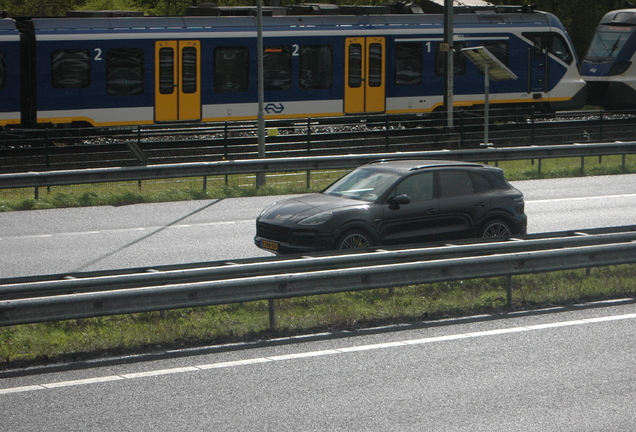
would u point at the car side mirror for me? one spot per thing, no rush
(399, 200)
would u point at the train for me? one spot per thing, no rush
(608, 67)
(318, 61)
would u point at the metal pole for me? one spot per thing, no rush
(448, 39)
(486, 102)
(260, 177)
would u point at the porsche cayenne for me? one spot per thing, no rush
(392, 202)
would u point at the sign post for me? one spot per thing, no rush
(493, 69)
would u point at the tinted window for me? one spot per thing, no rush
(355, 65)
(375, 65)
(316, 67)
(166, 71)
(189, 70)
(231, 69)
(459, 61)
(482, 182)
(3, 71)
(418, 187)
(499, 49)
(70, 68)
(556, 45)
(125, 72)
(455, 183)
(277, 68)
(408, 64)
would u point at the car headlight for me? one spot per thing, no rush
(318, 219)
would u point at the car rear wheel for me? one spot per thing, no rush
(495, 228)
(355, 239)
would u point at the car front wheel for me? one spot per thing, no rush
(354, 240)
(495, 228)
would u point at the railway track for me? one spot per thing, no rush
(43, 150)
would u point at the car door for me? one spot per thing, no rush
(461, 203)
(416, 221)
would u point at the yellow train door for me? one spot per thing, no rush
(365, 60)
(177, 81)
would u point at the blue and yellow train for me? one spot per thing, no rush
(107, 71)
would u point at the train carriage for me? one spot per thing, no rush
(9, 73)
(608, 65)
(141, 70)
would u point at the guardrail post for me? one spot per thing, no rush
(386, 132)
(272, 314)
(532, 126)
(582, 164)
(461, 128)
(308, 179)
(509, 290)
(225, 149)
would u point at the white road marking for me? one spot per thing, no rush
(309, 354)
(604, 197)
(123, 230)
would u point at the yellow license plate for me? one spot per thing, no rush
(269, 245)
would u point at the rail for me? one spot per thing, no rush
(75, 148)
(271, 165)
(64, 297)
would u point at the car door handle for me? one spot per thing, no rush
(481, 204)
(431, 211)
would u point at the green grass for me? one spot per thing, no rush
(277, 184)
(75, 340)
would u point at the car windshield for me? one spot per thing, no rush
(363, 184)
(608, 42)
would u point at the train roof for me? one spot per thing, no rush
(141, 24)
(620, 17)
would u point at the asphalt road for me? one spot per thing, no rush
(558, 370)
(562, 369)
(143, 235)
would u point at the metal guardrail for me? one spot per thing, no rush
(204, 169)
(108, 293)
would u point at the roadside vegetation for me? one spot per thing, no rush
(67, 341)
(115, 194)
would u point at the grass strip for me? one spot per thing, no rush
(124, 193)
(67, 341)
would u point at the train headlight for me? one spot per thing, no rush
(619, 68)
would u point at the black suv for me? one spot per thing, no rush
(395, 202)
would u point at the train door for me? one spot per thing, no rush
(537, 66)
(177, 81)
(365, 61)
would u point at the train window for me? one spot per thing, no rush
(408, 64)
(553, 42)
(355, 65)
(375, 65)
(316, 67)
(166, 71)
(125, 72)
(277, 68)
(231, 69)
(70, 68)
(3, 71)
(189, 70)
(498, 48)
(459, 61)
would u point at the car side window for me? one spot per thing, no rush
(482, 182)
(418, 187)
(455, 183)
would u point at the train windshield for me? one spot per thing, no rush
(608, 42)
